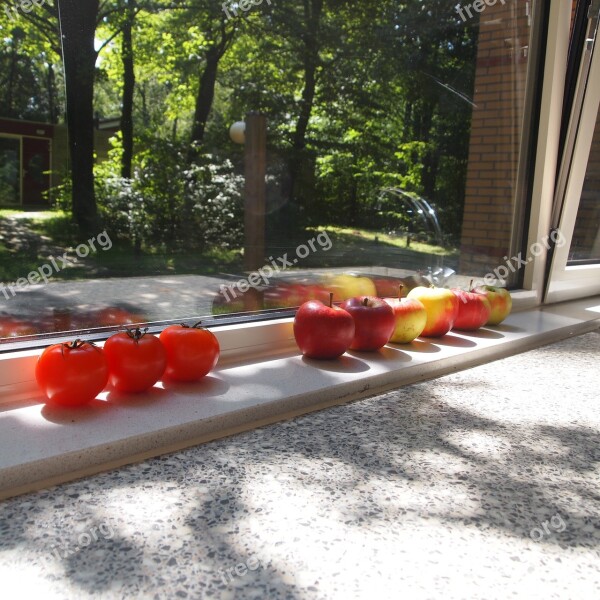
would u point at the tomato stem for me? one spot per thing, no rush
(194, 326)
(76, 344)
(136, 334)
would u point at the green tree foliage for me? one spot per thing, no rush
(359, 96)
(31, 85)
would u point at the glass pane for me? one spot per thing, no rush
(393, 136)
(585, 245)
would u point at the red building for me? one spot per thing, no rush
(25, 162)
(34, 157)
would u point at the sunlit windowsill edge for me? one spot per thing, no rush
(260, 380)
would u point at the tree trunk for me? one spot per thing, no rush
(51, 91)
(14, 57)
(312, 12)
(128, 90)
(204, 98)
(78, 20)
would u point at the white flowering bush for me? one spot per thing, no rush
(172, 205)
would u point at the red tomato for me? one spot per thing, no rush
(136, 360)
(191, 351)
(72, 374)
(10, 327)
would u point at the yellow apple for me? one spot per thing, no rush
(500, 300)
(345, 287)
(411, 318)
(441, 306)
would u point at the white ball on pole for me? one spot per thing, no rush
(237, 132)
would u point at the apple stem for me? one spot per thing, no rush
(330, 299)
(471, 285)
(400, 288)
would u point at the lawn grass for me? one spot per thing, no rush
(121, 261)
(353, 235)
(14, 266)
(57, 225)
(9, 212)
(351, 247)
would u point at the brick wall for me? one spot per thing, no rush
(495, 136)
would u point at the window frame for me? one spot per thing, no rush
(548, 143)
(567, 281)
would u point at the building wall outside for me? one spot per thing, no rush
(499, 96)
(60, 150)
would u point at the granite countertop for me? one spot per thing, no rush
(480, 484)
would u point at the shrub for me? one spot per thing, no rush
(168, 204)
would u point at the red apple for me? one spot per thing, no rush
(387, 286)
(473, 310)
(441, 306)
(323, 331)
(411, 318)
(500, 301)
(374, 322)
(316, 292)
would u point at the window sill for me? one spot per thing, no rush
(40, 446)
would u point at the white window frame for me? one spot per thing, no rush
(575, 281)
(555, 72)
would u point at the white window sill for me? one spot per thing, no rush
(40, 446)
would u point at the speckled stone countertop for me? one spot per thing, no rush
(481, 484)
